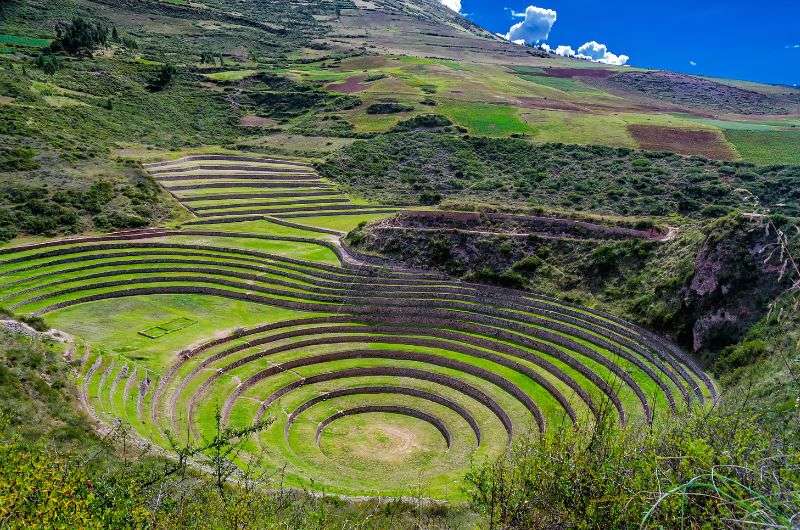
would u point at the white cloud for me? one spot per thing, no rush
(535, 25)
(565, 51)
(692, 63)
(598, 53)
(590, 51)
(455, 5)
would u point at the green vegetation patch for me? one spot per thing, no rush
(485, 119)
(231, 75)
(28, 42)
(766, 147)
(425, 168)
(166, 328)
(535, 75)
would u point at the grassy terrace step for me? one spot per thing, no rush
(235, 177)
(373, 210)
(264, 184)
(334, 209)
(393, 409)
(226, 158)
(253, 196)
(228, 206)
(393, 295)
(161, 172)
(396, 390)
(380, 334)
(196, 182)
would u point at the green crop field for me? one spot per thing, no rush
(31, 42)
(374, 380)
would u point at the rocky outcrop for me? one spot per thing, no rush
(739, 271)
(15, 326)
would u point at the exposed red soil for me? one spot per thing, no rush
(350, 85)
(595, 73)
(710, 144)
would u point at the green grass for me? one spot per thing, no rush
(736, 125)
(766, 147)
(343, 463)
(562, 84)
(343, 223)
(577, 128)
(166, 328)
(231, 75)
(483, 119)
(110, 325)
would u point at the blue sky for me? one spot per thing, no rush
(732, 38)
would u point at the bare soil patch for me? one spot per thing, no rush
(549, 104)
(710, 144)
(568, 73)
(256, 121)
(350, 85)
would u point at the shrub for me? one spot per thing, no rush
(35, 322)
(715, 469)
(48, 62)
(429, 198)
(17, 159)
(740, 355)
(390, 107)
(164, 78)
(715, 210)
(423, 121)
(528, 264)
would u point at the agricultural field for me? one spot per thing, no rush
(251, 308)
(549, 103)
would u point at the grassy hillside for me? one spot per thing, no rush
(425, 168)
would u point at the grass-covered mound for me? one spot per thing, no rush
(424, 167)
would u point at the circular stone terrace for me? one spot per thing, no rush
(375, 380)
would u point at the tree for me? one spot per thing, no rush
(79, 37)
(165, 76)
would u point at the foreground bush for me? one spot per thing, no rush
(710, 469)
